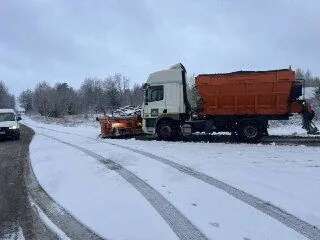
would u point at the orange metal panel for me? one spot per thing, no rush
(246, 93)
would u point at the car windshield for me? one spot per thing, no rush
(7, 117)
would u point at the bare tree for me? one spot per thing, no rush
(306, 76)
(7, 100)
(113, 91)
(136, 95)
(94, 95)
(64, 100)
(25, 100)
(42, 99)
(192, 94)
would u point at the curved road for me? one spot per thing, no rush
(18, 220)
(23, 202)
(25, 208)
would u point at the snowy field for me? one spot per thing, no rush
(293, 127)
(285, 176)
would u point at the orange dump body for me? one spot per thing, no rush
(246, 93)
(117, 126)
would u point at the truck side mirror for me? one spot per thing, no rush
(19, 118)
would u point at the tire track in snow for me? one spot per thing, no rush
(308, 230)
(179, 224)
(68, 224)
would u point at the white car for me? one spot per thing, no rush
(9, 124)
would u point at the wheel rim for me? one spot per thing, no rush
(250, 132)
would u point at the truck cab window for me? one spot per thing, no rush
(155, 93)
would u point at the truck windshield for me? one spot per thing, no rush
(7, 117)
(154, 93)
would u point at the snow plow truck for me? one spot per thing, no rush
(240, 102)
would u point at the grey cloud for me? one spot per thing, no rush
(58, 40)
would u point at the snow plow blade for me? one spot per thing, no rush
(112, 127)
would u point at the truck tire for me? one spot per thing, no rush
(167, 131)
(250, 132)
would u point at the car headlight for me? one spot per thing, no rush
(13, 127)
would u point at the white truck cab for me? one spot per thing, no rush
(9, 124)
(165, 101)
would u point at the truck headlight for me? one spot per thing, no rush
(13, 127)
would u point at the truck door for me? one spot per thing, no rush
(154, 105)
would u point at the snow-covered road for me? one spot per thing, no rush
(136, 193)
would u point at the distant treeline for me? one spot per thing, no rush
(98, 95)
(307, 77)
(94, 96)
(6, 99)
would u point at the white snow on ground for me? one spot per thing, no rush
(291, 127)
(309, 92)
(97, 196)
(69, 120)
(287, 176)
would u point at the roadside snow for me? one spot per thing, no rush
(309, 92)
(49, 223)
(68, 121)
(100, 198)
(293, 126)
(284, 175)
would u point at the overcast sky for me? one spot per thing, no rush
(68, 40)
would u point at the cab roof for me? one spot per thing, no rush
(171, 75)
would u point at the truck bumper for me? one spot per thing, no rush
(6, 132)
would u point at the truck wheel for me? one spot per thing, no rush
(166, 131)
(250, 132)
